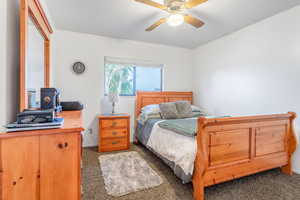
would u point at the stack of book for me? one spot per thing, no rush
(56, 123)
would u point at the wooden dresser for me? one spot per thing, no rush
(114, 132)
(42, 164)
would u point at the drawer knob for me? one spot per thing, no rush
(114, 133)
(64, 145)
(114, 124)
(117, 142)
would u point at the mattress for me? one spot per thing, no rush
(177, 151)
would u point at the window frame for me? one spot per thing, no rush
(134, 66)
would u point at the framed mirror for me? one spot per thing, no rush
(35, 32)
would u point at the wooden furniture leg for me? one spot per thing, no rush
(198, 186)
(201, 162)
(199, 192)
(292, 145)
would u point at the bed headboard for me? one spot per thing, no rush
(147, 98)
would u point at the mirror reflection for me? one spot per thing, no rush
(35, 77)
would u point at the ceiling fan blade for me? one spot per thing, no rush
(193, 3)
(153, 4)
(156, 24)
(193, 21)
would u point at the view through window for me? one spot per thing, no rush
(128, 77)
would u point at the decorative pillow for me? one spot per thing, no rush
(149, 112)
(168, 110)
(143, 117)
(195, 108)
(184, 109)
(153, 109)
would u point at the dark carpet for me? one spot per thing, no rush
(270, 185)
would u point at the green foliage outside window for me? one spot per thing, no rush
(119, 79)
(126, 79)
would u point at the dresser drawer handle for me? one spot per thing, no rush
(117, 142)
(114, 133)
(114, 124)
(61, 146)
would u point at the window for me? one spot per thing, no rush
(127, 76)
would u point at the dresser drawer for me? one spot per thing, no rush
(113, 133)
(114, 144)
(113, 123)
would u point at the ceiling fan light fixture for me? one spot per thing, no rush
(175, 20)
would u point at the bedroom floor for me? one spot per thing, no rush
(264, 186)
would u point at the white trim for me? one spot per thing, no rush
(297, 171)
(132, 61)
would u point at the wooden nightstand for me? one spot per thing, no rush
(114, 132)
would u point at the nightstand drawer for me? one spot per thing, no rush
(113, 133)
(114, 144)
(113, 123)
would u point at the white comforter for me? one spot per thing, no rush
(175, 147)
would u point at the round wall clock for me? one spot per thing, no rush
(78, 67)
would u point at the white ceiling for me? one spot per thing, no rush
(128, 19)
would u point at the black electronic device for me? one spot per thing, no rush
(50, 99)
(71, 105)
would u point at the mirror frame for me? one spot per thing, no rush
(33, 9)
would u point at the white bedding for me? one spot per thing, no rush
(175, 147)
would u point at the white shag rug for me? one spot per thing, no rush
(127, 172)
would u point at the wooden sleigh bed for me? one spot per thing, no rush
(233, 147)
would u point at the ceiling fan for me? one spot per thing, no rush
(176, 9)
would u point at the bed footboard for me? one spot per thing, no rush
(233, 147)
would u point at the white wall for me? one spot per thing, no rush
(9, 56)
(69, 47)
(255, 70)
(2, 62)
(12, 60)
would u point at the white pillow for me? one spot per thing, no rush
(154, 109)
(195, 108)
(151, 109)
(143, 117)
(200, 111)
